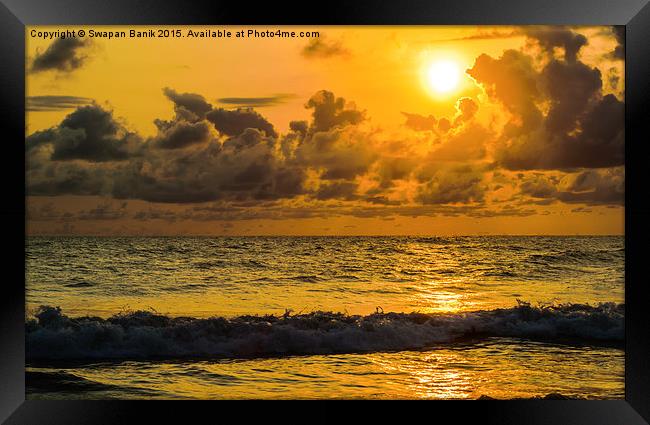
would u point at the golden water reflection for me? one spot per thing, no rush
(498, 368)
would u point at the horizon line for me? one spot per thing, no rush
(334, 236)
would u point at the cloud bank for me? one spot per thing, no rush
(559, 140)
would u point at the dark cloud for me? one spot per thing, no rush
(104, 211)
(337, 190)
(189, 106)
(47, 212)
(380, 200)
(465, 143)
(141, 181)
(234, 122)
(256, 102)
(156, 214)
(264, 210)
(253, 210)
(55, 103)
(183, 134)
(242, 167)
(539, 186)
(581, 128)
(67, 178)
(89, 133)
(461, 140)
(570, 87)
(458, 184)
(390, 169)
(193, 113)
(322, 48)
(250, 163)
(444, 125)
(64, 54)
(599, 142)
(188, 127)
(287, 182)
(249, 138)
(229, 211)
(420, 122)
(619, 50)
(338, 153)
(513, 80)
(330, 111)
(335, 163)
(591, 187)
(467, 108)
(489, 35)
(299, 126)
(159, 170)
(552, 37)
(613, 78)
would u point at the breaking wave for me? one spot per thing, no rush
(61, 381)
(141, 334)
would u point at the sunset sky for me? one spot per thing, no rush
(360, 131)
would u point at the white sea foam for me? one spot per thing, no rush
(53, 335)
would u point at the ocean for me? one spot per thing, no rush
(325, 317)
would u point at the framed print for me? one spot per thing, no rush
(373, 201)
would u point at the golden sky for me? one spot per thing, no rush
(359, 130)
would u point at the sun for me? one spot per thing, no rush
(443, 76)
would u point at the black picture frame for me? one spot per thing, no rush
(634, 14)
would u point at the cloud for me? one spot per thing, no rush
(300, 127)
(256, 102)
(89, 133)
(104, 211)
(47, 212)
(219, 164)
(512, 79)
(599, 142)
(189, 106)
(242, 167)
(491, 34)
(330, 111)
(551, 37)
(420, 122)
(63, 55)
(560, 117)
(322, 48)
(619, 51)
(67, 178)
(613, 78)
(390, 169)
(463, 144)
(466, 108)
(461, 139)
(570, 86)
(55, 103)
(539, 186)
(450, 185)
(247, 163)
(337, 190)
(234, 122)
(341, 153)
(183, 134)
(193, 113)
(156, 214)
(590, 187)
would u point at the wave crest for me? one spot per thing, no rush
(142, 334)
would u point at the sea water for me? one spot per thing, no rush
(325, 317)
